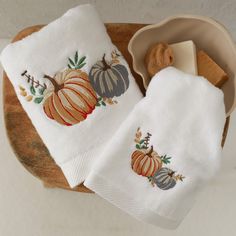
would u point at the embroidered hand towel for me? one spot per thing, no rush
(74, 85)
(165, 151)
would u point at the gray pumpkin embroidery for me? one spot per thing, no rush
(147, 162)
(164, 178)
(109, 79)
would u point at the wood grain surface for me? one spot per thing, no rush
(26, 143)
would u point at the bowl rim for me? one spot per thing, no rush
(206, 19)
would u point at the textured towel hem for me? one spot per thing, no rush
(77, 169)
(132, 206)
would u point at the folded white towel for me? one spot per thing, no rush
(74, 85)
(165, 151)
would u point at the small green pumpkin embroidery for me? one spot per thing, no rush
(147, 162)
(109, 79)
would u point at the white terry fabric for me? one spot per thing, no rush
(185, 116)
(74, 147)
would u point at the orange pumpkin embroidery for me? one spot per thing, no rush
(72, 97)
(146, 162)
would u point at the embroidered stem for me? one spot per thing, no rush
(150, 151)
(171, 173)
(106, 66)
(147, 139)
(34, 82)
(56, 86)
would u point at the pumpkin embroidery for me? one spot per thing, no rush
(165, 178)
(72, 95)
(147, 162)
(109, 79)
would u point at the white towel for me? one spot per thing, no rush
(74, 85)
(165, 151)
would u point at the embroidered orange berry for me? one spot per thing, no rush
(22, 88)
(29, 98)
(23, 93)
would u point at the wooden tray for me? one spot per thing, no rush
(25, 141)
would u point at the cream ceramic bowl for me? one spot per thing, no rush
(206, 33)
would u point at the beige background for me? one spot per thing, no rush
(29, 209)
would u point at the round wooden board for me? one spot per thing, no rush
(26, 143)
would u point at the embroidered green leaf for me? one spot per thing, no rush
(76, 57)
(165, 159)
(41, 91)
(81, 60)
(71, 62)
(98, 104)
(141, 141)
(150, 178)
(138, 146)
(80, 66)
(38, 100)
(32, 90)
(69, 66)
(100, 99)
(103, 103)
